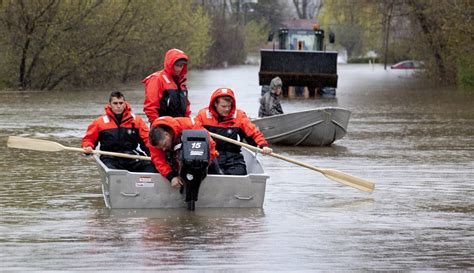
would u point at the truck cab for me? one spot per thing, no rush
(301, 39)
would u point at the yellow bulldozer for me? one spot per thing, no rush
(299, 57)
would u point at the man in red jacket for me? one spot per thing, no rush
(222, 117)
(166, 92)
(182, 151)
(119, 130)
(165, 137)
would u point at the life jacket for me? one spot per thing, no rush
(236, 125)
(165, 94)
(123, 137)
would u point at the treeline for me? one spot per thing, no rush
(440, 33)
(64, 44)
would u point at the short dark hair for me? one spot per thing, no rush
(225, 98)
(157, 134)
(116, 94)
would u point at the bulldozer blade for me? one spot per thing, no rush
(299, 68)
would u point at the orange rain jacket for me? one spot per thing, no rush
(178, 125)
(235, 125)
(123, 137)
(166, 95)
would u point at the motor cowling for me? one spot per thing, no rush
(195, 149)
(195, 159)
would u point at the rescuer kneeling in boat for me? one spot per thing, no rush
(119, 130)
(182, 151)
(222, 117)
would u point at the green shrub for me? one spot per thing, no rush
(465, 75)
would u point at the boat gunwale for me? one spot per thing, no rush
(302, 112)
(108, 170)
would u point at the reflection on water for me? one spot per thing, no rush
(353, 203)
(413, 140)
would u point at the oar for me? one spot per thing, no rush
(51, 146)
(335, 175)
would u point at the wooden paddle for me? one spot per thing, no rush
(335, 175)
(51, 146)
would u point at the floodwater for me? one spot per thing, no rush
(414, 140)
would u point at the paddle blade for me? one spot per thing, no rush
(349, 180)
(33, 144)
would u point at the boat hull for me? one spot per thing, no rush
(316, 127)
(133, 190)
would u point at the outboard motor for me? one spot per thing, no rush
(195, 161)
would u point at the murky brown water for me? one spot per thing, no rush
(414, 140)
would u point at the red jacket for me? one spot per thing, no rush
(235, 125)
(165, 95)
(123, 137)
(158, 156)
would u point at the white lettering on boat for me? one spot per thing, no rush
(144, 182)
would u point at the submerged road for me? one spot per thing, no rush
(415, 141)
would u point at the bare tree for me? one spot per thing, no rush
(387, 11)
(308, 9)
(430, 26)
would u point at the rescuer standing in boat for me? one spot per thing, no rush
(166, 92)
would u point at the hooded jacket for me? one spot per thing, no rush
(269, 105)
(235, 125)
(178, 125)
(115, 137)
(165, 94)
